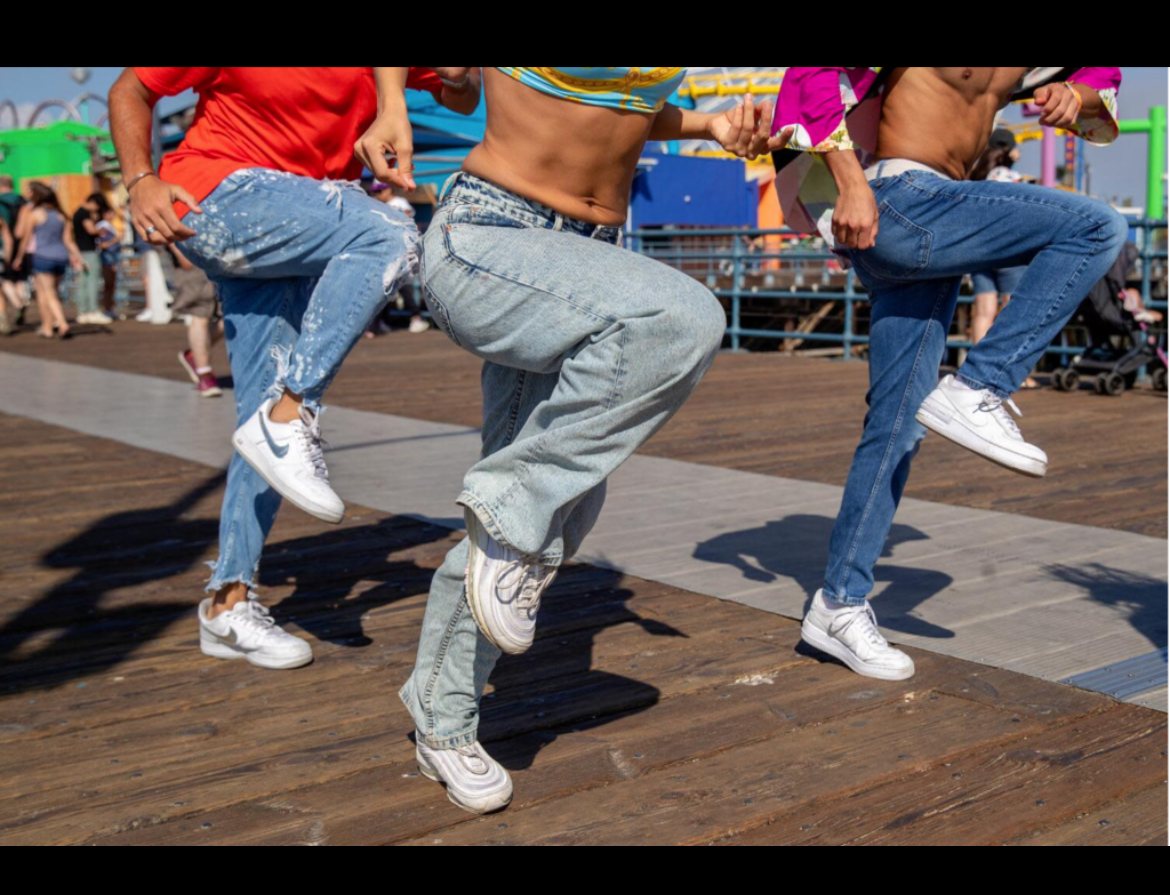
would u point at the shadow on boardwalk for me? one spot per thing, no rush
(796, 548)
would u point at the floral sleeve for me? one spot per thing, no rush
(1103, 128)
(814, 102)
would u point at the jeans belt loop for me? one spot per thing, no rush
(449, 185)
(558, 221)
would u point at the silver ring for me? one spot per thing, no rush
(150, 230)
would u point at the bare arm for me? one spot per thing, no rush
(24, 226)
(390, 135)
(71, 246)
(152, 199)
(461, 88)
(742, 130)
(855, 217)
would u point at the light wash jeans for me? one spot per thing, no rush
(589, 349)
(301, 266)
(87, 283)
(931, 232)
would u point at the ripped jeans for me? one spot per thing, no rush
(302, 267)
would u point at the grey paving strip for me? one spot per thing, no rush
(1057, 601)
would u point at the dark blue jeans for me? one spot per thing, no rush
(932, 231)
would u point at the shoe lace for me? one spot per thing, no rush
(865, 620)
(474, 761)
(531, 589)
(313, 443)
(528, 594)
(998, 407)
(258, 616)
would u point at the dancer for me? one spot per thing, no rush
(261, 194)
(589, 349)
(934, 228)
(43, 223)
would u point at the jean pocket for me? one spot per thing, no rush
(903, 248)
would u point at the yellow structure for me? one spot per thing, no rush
(731, 84)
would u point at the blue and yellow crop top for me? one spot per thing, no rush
(635, 88)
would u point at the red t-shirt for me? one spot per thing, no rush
(300, 120)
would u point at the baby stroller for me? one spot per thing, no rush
(1120, 342)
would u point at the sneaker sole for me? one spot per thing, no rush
(256, 461)
(821, 641)
(191, 374)
(929, 415)
(474, 531)
(216, 650)
(211, 393)
(479, 808)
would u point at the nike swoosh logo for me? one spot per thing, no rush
(281, 452)
(230, 637)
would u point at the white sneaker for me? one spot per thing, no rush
(418, 325)
(100, 319)
(503, 589)
(475, 781)
(249, 632)
(852, 636)
(290, 457)
(981, 422)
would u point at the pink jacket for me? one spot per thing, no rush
(834, 109)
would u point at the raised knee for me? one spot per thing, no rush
(392, 250)
(698, 319)
(1115, 230)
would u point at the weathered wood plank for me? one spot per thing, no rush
(711, 798)
(1137, 820)
(995, 794)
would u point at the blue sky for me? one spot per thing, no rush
(1119, 172)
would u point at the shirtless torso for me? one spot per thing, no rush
(918, 100)
(577, 159)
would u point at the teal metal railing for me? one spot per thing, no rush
(743, 266)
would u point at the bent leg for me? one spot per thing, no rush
(267, 225)
(1067, 241)
(626, 338)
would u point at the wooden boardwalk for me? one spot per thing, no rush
(645, 714)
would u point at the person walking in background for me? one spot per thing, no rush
(7, 244)
(261, 194)
(44, 225)
(13, 280)
(994, 288)
(110, 250)
(195, 298)
(87, 286)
